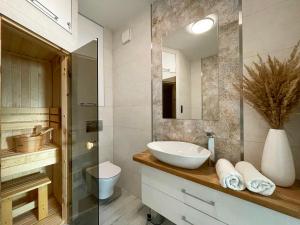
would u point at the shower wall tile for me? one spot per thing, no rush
(129, 95)
(171, 15)
(106, 137)
(106, 115)
(132, 98)
(127, 117)
(106, 152)
(109, 96)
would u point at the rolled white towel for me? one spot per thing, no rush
(254, 180)
(228, 176)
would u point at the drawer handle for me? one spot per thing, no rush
(205, 214)
(202, 200)
(185, 220)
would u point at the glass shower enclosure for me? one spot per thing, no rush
(84, 135)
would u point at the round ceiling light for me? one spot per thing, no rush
(202, 26)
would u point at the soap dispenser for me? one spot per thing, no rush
(211, 145)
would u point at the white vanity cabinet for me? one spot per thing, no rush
(59, 11)
(187, 203)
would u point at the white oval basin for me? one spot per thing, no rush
(181, 154)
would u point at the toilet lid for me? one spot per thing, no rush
(106, 170)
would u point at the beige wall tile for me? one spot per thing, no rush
(293, 129)
(254, 6)
(133, 117)
(255, 127)
(269, 27)
(132, 98)
(106, 153)
(272, 29)
(296, 154)
(253, 152)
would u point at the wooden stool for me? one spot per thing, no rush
(15, 187)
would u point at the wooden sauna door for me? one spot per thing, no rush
(84, 132)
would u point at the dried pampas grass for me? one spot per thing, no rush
(273, 87)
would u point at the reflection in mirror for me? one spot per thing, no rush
(190, 71)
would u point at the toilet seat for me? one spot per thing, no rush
(106, 170)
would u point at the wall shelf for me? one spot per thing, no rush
(13, 163)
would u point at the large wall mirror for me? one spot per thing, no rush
(190, 73)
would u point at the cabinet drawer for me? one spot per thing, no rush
(192, 194)
(174, 210)
(240, 212)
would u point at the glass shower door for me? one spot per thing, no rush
(84, 129)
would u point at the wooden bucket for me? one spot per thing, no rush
(28, 143)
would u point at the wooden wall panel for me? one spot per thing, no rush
(6, 85)
(45, 85)
(56, 93)
(16, 81)
(26, 82)
(66, 190)
(15, 121)
(34, 85)
(54, 115)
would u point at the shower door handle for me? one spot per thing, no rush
(90, 144)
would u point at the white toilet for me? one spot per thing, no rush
(102, 179)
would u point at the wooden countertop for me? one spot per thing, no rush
(284, 200)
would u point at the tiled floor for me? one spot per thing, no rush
(126, 210)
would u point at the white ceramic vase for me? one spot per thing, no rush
(277, 160)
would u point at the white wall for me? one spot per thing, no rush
(132, 98)
(269, 27)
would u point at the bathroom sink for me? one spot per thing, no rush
(180, 154)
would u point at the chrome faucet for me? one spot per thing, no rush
(211, 145)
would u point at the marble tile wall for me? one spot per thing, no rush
(210, 88)
(132, 97)
(269, 27)
(169, 15)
